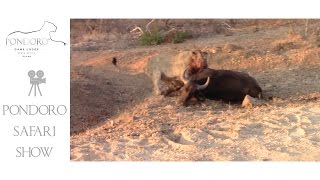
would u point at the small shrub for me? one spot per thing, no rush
(282, 45)
(155, 37)
(152, 38)
(181, 36)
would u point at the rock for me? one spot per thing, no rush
(248, 102)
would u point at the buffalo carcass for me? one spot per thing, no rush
(226, 85)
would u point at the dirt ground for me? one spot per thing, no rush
(116, 117)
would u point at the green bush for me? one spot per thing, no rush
(155, 37)
(152, 38)
(181, 36)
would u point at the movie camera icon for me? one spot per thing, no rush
(35, 81)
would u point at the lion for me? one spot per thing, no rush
(171, 65)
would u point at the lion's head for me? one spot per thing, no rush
(198, 61)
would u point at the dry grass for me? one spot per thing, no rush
(292, 41)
